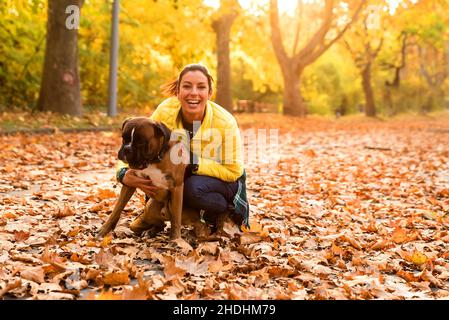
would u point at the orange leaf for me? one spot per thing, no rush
(352, 241)
(74, 232)
(106, 241)
(91, 243)
(372, 227)
(21, 235)
(9, 168)
(106, 194)
(399, 235)
(9, 215)
(443, 193)
(309, 153)
(256, 228)
(67, 211)
(380, 244)
(410, 277)
(97, 207)
(249, 238)
(336, 250)
(116, 278)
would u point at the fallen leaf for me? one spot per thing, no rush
(106, 241)
(184, 245)
(35, 274)
(171, 269)
(399, 235)
(21, 236)
(380, 244)
(116, 278)
(418, 258)
(103, 194)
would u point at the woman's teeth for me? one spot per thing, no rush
(193, 102)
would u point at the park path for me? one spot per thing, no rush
(349, 212)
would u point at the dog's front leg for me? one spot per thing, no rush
(125, 194)
(176, 214)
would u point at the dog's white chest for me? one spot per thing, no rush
(158, 178)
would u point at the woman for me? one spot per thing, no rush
(215, 179)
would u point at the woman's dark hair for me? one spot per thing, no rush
(172, 88)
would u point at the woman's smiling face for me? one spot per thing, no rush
(193, 93)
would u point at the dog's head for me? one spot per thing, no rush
(143, 140)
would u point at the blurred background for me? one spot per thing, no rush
(377, 58)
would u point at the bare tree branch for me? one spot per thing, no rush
(323, 47)
(276, 36)
(298, 28)
(320, 34)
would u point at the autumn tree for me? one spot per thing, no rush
(432, 43)
(329, 29)
(364, 42)
(60, 87)
(222, 24)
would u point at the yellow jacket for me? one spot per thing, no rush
(217, 143)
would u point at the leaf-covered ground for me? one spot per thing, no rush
(353, 210)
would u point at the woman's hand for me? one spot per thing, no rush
(146, 185)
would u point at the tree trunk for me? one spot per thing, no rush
(60, 87)
(293, 65)
(370, 106)
(293, 102)
(222, 27)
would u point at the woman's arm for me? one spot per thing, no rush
(146, 185)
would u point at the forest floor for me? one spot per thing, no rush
(352, 209)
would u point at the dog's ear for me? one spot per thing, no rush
(124, 122)
(162, 130)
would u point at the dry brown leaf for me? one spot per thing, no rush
(171, 269)
(399, 235)
(66, 212)
(381, 244)
(103, 194)
(408, 276)
(36, 274)
(104, 258)
(336, 250)
(116, 278)
(10, 285)
(443, 193)
(184, 245)
(427, 276)
(9, 215)
(208, 248)
(21, 236)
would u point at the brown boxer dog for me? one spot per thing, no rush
(147, 148)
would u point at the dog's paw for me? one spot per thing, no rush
(102, 232)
